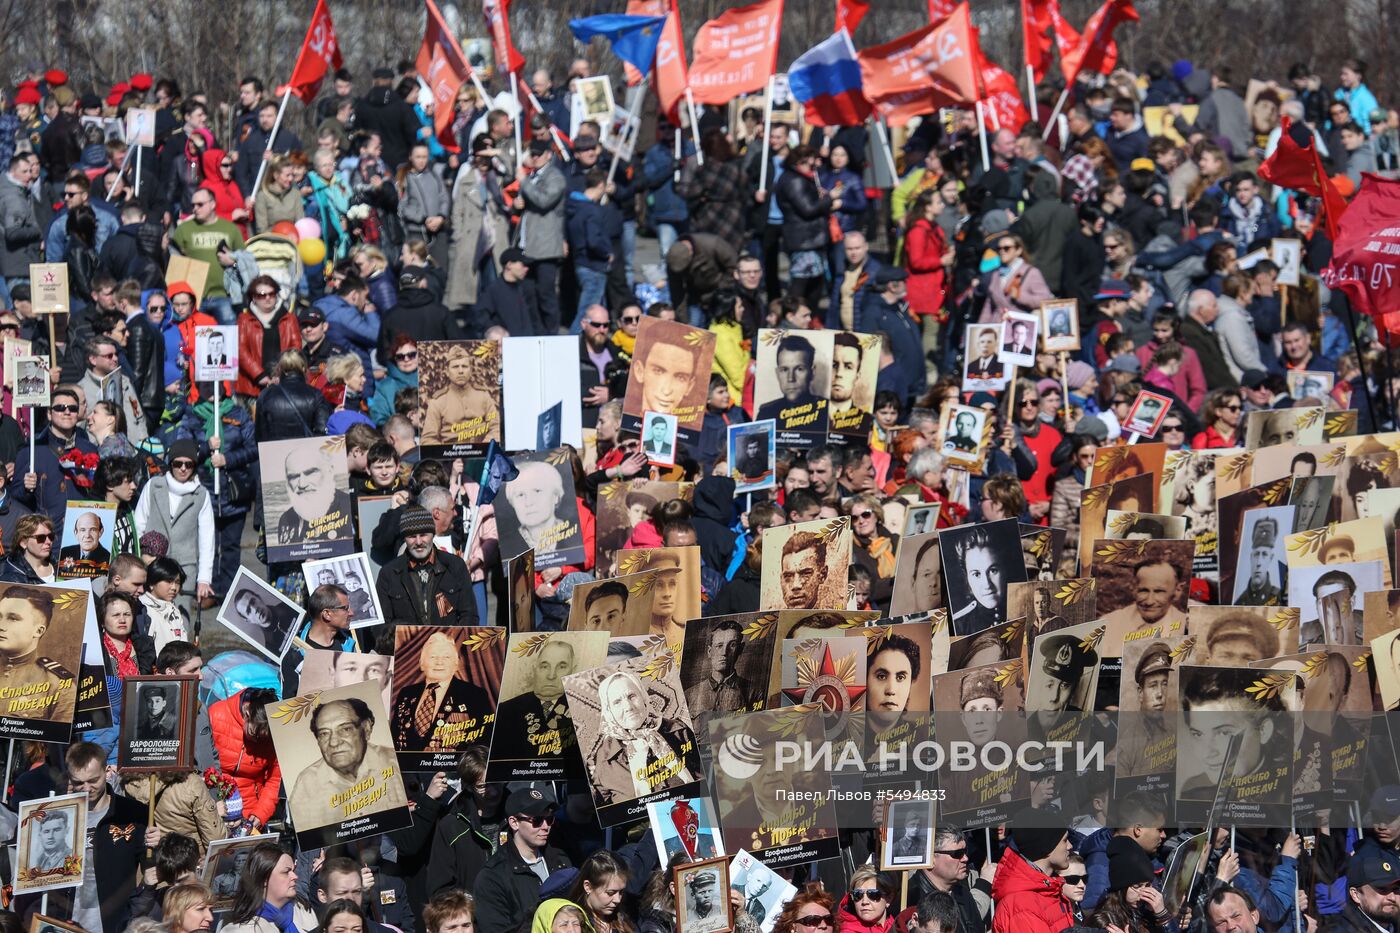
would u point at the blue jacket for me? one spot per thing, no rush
(383, 293)
(1167, 258)
(54, 490)
(865, 285)
(1362, 102)
(381, 408)
(875, 314)
(586, 226)
(352, 329)
(853, 199)
(659, 174)
(56, 240)
(1094, 848)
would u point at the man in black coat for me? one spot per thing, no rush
(507, 890)
(133, 252)
(418, 314)
(251, 149)
(383, 111)
(511, 300)
(291, 408)
(424, 585)
(145, 352)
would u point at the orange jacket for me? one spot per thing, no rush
(259, 777)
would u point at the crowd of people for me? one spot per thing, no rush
(1164, 242)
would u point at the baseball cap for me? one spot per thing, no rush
(1113, 288)
(514, 254)
(1369, 865)
(1253, 378)
(310, 317)
(411, 276)
(529, 801)
(1127, 363)
(585, 143)
(1385, 801)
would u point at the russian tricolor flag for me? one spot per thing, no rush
(826, 79)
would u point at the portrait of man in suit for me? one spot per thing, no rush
(1019, 339)
(425, 712)
(214, 354)
(658, 442)
(983, 370)
(88, 532)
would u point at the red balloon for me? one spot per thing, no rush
(287, 229)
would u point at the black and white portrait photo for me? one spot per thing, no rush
(702, 897)
(961, 435)
(979, 562)
(1060, 325)
(764, 891)
(306, 498)
(752, 452)
(537, 509)
(792, 384)
(1018, 339)
(260, 615)
(353, 573)
(722, 669)
(908, 835)
(31, 381)
(50, 849)
(223, 864)
(215, 353)
(659, 432)
(157, 725)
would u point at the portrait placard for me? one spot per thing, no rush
(52, 844)
(94, 707)
(538, 510)
(670, 373)
(368, 511)
(158, 723)
(752, 455)
(660, 437)
(685, 826)
(792, 385)
(459, 389)
(534, 738)
(1019, 332)
(1331, 600)
(1287, 254)
(1059, 325)
(306, 498)
(328, 668)
(983, 370)
(223, 865)
(806, 565)
(1306, 384)
(726, 661)
(141, 126)
(964, 435)
(622, 506)
(446, 679)
(1258, 574)
(260, 614)
(337, 755)
(855, 368)
(597, 96)
(1142, 589)
(918, 582)
(353, 574)
(31, 382)
(620, 606)
(702, 897)
(764, 890)
(1293, 427)
(88, 529)
(979, 562)
(675, 594)
(48, 287)
(215, 353)
(544, 373)
(1145, 417)
(908, 835)
(38, 689)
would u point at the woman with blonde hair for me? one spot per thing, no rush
(874, 545)
(868, 904)
(346, 370)
(277, 199)
(188, 908)
(450, 911)
(373, 267)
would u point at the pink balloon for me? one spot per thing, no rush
(309, 228)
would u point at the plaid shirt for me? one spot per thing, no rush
(1081, 172)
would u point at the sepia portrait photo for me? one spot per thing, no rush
(306, 498)
(459, 389)
(446, 679)
(670, 371)
(806, 565)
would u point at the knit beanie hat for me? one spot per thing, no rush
(1127, 864)
(1079, 373)
(1036, 842)
(155, 544)
(416, 520)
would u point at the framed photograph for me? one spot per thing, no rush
(460, 394)
(1059, 325)
(979, 562)
(685, 826)
(538, 510)
(13, 348)
(31, 382)
(354, 574)
(615, 711)
(725, 663)
(964, 435)
(1332, 600)
(534, 738)
(223, 864)
(520, 574)
(39, 923)
(918, 581)
(88, 529)
(52, 844)
(337, 755)
(764, 890)
(1300, 427)
(544, 373)
(1146, 415)
(48, 284)
(752, 455)
(792, 384)
(670, 372)
(659, 440)
(1288, 256)
(597, 96)
(446, 679)
(1308, 384)
(1259, 574)
(806, 565)
(141, 126)
(1019, 332)
(44, 648)
(327, 668)
(921, 519)
(260, 615)
(702, 897)
(983, 370)
(368, 511)
(306, 498)
(158, 723)
(855, 368)
(908, 837)
(215, 353)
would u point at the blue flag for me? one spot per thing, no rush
(634, 38)
(495, 473)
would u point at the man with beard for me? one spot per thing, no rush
(637, 751)
(459, 413)
(348, 759)
(427, 715)
(803, 563)
(319, 511)
(722, 689)
(797, 408)
(846, 358)
(537, 724)
(1138, 748)
(424, 585)
(1373, 894)
(1263, 587)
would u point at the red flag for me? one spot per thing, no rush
(1000, 90)
(919, 72)
(319, 53)
(736, 52)
(669, 75)
(1066, 36)
(1366, 251)
(1300, 168)
(497, 13)
(849, 13)
(443, 65)
(641, 8)
(1096, 51)
(939, 10)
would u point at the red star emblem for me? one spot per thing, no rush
(835, 692)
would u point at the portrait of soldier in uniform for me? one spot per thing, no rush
(443, 698)
(797, 407)
(1056, 671)
(32, 686)
(1267, 577)
(464, 410)
(847, 361)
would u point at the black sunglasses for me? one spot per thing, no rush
(182, 464)
(65, 409)
(1074, 879)
(952, 853)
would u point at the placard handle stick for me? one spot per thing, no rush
(1282, 305)
(1050, 123)
(31, 438)
(694, 125)
(9, 762)
(53, 343)
(219, 433)
(138, 170)
(150, 805)
(44, 901)
(1064, 381)
(515, 94)
(982, 137)
(627, 133)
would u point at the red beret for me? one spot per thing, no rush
(114, 99)
(30, 83)
(53, 77)
(27, 95)
(121, 87)
(142, 81)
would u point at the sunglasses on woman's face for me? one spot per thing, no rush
(41, 538)
(406, 357)
(862, 515)
(1172, 427)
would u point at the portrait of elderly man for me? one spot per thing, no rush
(36, 687)
(1157, 585)
(637, 751)
(442, 699)
(529, 725)
(87, 531)
(797, 407)
(348, 759)
(311, 491)
(459, 412)
(536, 498)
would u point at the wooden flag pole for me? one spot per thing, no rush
(767, 131)
(519, 145)
(271, 139)
(694, 125)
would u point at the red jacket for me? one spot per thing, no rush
(1211, 439)
(250, 348)
(227, 197)
(259, 778)
(186, 329)
(1027, 900)
(848, 922)
(1043, 446)
(924, 247)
